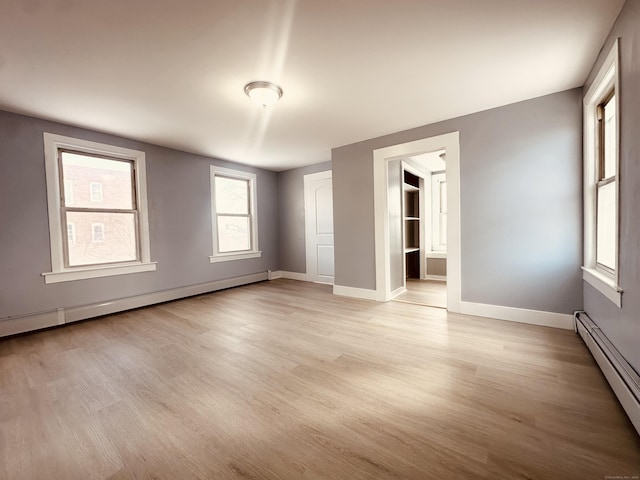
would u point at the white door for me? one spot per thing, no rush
(318, 205)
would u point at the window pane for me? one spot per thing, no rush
(102, 238)
(232, 195)
(610, 138)
(606, 226)
(97, 182)
(233, 234)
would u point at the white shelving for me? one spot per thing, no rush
(412, 224)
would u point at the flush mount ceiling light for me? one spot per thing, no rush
(264, 94)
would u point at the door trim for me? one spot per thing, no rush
(451, 143)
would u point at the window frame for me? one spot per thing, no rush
(60, 271)
(437, 179)
(605, 85)
(253, 251)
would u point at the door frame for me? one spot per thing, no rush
(308, 227)
(450, 142)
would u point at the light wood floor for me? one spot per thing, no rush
(283, 380)
(424, 292)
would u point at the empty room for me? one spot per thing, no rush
(292, 239)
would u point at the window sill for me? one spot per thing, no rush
(234, 256)
(84, 273)
(436, 254)
(603, 284)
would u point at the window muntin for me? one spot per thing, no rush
(233, 206)
(122, 243)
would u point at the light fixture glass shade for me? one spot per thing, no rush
(264, 94)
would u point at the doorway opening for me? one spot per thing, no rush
(425, 245)
(424, 206)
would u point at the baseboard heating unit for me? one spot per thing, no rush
(623, 379)
(63, 315)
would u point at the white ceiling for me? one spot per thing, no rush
(431, 161)
(172, 72)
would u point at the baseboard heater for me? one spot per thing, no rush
(623, 379)
(61, 316)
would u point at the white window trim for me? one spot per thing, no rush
(60, 273)
(607, 77)
(434, 240)
(603, 284)
(254, 252)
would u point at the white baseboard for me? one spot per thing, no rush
(398, 291)
(290, 275)
(27, 323)
(274, 274)
(353, 292)
(521, 315)
(437, 278)
(624, 381)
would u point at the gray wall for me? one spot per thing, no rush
(622, 326)
(521, 204)
(179, 219)
(291, 244)
(437, 266)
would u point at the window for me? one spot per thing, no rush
(71, 234)
(606, 205)
(95, 192)
(95, 189)
(234, 219)
(439, 212)
(601, 174)
(97, 232)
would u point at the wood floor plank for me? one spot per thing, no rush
(432, 293)
(283, 380)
